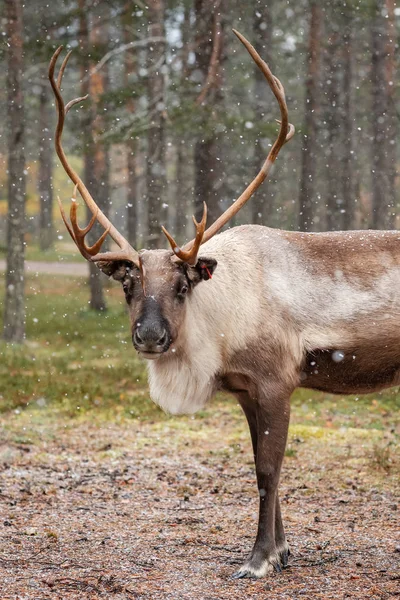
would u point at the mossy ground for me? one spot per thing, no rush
(117, 499)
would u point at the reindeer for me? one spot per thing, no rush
(256, 312)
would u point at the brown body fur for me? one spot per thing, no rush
(282, 310)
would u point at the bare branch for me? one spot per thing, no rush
(124, 48)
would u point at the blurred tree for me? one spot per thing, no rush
(155, 162)
(45, 188)
(130, 70)
(95, 165)
(263, 201)
(392, 118)
(348, 162)
(332, 113)
(14, 307)
(341, 168)
(183, 175)
(98, 88)
(382, 203)
(309, 139)
(208, 51)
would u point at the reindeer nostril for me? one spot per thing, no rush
(162, 339)
(137, 338)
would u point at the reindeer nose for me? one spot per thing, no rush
(150, 339)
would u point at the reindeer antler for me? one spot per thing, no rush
(190, 256)
(127, 252)
(190, 251)
(286, 132)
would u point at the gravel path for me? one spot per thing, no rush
(52, 268)
(147, 511)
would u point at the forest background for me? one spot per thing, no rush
(102, 494)
(179, 114)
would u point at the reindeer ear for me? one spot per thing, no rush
(115, 269)
(204, 269)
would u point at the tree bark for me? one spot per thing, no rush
(182, 176)
(380, 209)
(208, 169)
(93, 160)
(45, 188)
(392, 120)
(130, 67)
(263, 201)
(308, 169)
(333, 124)
(14, 308)
(155, 164)
(348, 161)
(98, 86)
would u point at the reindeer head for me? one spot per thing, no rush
(156, 294)
(156, 282)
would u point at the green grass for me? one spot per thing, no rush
(372, 411)
(77, 363)
(63, 251)
(74, 360)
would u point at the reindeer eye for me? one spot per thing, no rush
(127, 285)
(182, 291)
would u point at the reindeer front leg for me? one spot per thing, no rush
(268, 418)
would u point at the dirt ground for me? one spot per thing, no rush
(168, 510)
(52, 268)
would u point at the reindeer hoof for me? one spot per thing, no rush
(255, 569)
(284, 553)
(284, 558)
(242, 574)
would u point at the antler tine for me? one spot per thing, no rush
(58, 83)
(286, 132)
(73, 215)
(64, 218)
(62, 69)
(290, 133)
(53, 62)
(72, 103)
(190, 256)
(78, 234)
(278, 82)
(89, 252)
(127, 252)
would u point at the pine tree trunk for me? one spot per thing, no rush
(206, 177)
(45, 188)
(263, 201)
(14, 309)
(380, 211)
(183, 207)
(98, 86)
(348, 161)
(131, 144)
(333, 125)
(392, 119)
(132, 199)
(208, 170)
(183, 194)
(156, 184)
(97, 301)
(309, 154)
